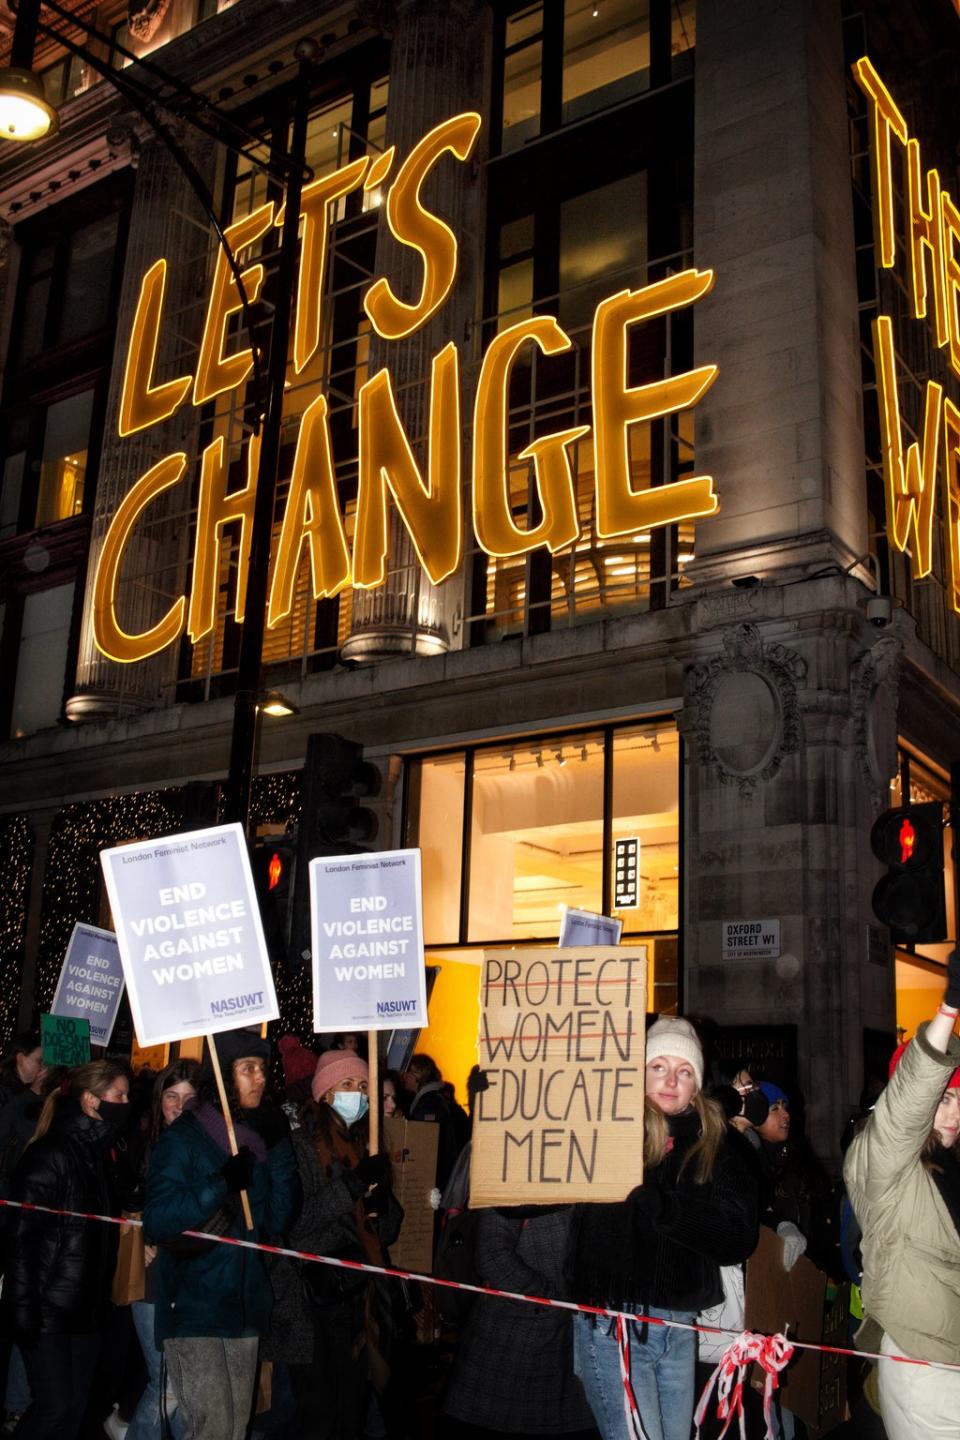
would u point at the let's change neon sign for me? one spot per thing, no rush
(429, 505)
(932, 244)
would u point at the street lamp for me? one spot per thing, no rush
(291, 168)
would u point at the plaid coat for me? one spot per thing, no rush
(514, 1369)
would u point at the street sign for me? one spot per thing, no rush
(750, 939)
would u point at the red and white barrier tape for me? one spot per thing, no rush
(772, 1353)
(597, 1310)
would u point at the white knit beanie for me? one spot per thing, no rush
(672, 1035)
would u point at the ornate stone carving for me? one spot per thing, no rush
(746, 718)
(146, 17)
(874, 698)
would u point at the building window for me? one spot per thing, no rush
(559, 63)
(44, 641)
(68, 286)
(64, 465)
(512, 832)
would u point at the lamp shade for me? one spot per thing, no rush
(24, 111)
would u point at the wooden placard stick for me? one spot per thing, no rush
(373, 1090)
(228, 1119)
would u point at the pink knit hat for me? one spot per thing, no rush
(334, 1066)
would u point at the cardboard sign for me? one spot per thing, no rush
(65, 1040)
(775, 1298)
(367, 941)
(412, 1147)
(91, 980)
(150, 1057)
(190, 936)
(562, 1044)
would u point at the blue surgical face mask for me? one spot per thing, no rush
(350, 1105)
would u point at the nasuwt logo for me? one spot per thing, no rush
(230, 1003)
(396, 1007)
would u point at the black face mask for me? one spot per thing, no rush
(116, 1115)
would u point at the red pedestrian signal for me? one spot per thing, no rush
(910, 898)
(274, 871)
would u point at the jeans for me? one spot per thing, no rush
(661, 1372)
(213, 1382)
(147, 1422)
(60, 1369)
(17, 1399)
(917, 1403)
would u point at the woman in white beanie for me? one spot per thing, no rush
(658, 1253)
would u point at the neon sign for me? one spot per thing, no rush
(429, 505)
(932, 243)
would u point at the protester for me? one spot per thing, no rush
(391, 1095)
(659, 1251)
(173, 1087)
(424, 1084)
(299, 1065)
(903, 1179)
(59, 1268)
(327, 1326)
(213, 1301)
(20, 1065)
(514, 1368)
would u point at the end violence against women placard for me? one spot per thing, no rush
(190, 936)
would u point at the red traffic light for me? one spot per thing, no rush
(910, 898)
(274, 871)
(908, 838)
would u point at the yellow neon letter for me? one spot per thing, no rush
(621, 510)
(217, 372)
(315, 205)
(884, 117)
(431, 513)
(215, 509)
(951, 265)
(113, 642)
(951, 500)
(926, 235)
(496, 530)
(312, 514)
(910, 482)
(143, 403)
(415, 226)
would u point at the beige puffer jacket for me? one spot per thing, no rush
(911, 1248)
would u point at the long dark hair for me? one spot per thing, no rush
(171, 1074)
(22, 1044)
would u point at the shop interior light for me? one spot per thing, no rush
(273, 703)
(583, 753)
(538, 756)
(25, 113)
(560, 757)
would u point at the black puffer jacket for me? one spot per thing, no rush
(59, 1270)
(663, 1245)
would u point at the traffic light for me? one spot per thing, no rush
(340, 778)
(274, 862)
(910, 897)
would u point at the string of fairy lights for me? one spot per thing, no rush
(16, 847)
(73, 888)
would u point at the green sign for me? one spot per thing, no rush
(65, 1039)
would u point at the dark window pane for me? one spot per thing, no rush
(35, 302)
(86, 299)
(603, 246)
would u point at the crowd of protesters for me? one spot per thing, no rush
(162, 1330)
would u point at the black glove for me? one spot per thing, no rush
(377, 1201)
(952, 995)
(477, 1081)
(270, 1123)
(238, 1170)
(372, 1169)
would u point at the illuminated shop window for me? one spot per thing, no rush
(512, 832)
(522, 62)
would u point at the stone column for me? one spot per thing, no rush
(436, 71)
(781, 430)
(166, 221)
(790, 724)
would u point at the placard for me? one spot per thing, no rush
(585, 927)
(91, 980)
(64, 1040)
(776, 1298)
(412, 1147)
(367, 941)
(190, 936)
(562, 1044)
(151, 1057)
